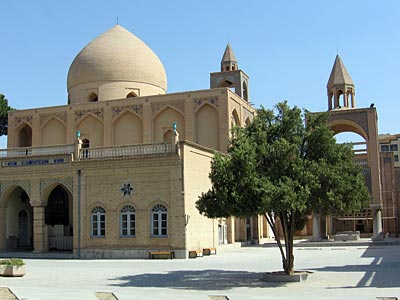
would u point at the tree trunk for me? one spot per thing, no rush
(288, 232)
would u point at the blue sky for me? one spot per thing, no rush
(286, 47)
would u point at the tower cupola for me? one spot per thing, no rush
(228, 61)
(341, 89)
(230, 75)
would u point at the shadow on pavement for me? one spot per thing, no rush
(196, 280)
(382, 272)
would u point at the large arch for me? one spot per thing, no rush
(91, 128)
(127, 129)
(59, 216)
(207, 129)
(344, 125)
(163, 122)
(16, 221)
(53, 132)
(364, 123)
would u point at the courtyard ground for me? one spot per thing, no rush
(343, 272)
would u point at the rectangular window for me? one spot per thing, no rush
(393, 147)
(384, 148)
(396, 158)
(132, 225)
(155, 224)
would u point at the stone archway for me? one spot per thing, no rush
(16, 220)
(363, 121)
(58, 218)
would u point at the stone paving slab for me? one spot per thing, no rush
(357, 272)
(6, 294)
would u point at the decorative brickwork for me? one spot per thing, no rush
(137, 109)
(24, 184)
(19, 119)
(199, 101)
(46, 182)
(178, 104)
(98, 112)
(59, 115)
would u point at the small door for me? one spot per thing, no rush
(23, 228)
(222, 234)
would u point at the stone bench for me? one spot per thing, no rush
(195, 253)
(161, 254)
(209, 251)
(347, 236)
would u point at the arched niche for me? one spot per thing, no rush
(163, 121)
(127, 129)
(207, 129)
(91, 128)
(235, 120)
(53, 132)
(24, 135)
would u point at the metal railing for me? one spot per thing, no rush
(36, 151)
(125, 151)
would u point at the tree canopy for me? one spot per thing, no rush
(284, 167)
(4, 109)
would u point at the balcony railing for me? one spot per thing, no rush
(36, 151)
(125, 151)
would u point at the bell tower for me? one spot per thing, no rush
(345, 117)
(341, 89)
(230, 76)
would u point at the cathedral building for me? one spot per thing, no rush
(117, 171)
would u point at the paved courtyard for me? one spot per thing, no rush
(355, 272)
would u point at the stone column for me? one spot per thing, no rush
(230, 222)
(40, 236)
(316, 233)
(3, 227)
(35, 130)
(107, 125)
(147, 121)
(377, 220)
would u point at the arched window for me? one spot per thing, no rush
(168, 136)
(98, 222)
(131, 95)
(159, 220)
(93, 97)
(127, 221)
(245, 94)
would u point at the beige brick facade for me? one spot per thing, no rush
(117, 171)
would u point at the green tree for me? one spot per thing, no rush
(284, 168)
(4, 109)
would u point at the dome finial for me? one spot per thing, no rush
(117, 21)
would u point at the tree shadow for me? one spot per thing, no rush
(196, 280)
(382, 272)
